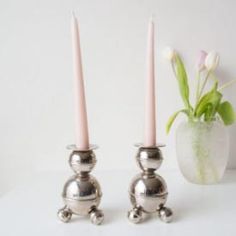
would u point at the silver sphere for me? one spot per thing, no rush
(96, 216)
(81, 194)
(165, 214)
(82, 161)
(148, 192)
(135, 215)
(149, 159)
(64, 215)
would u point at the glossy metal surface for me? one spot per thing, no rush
(82, 161)
(64, 214)
(135, 215)
(82, 192)
(148, 190)
(165, 214)
(149, 159)
(96, 216)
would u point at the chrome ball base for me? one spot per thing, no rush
(82, 192)
(148, 190)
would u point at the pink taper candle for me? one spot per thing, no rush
(81, 123)
(150, 111)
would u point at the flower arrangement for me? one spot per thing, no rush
(209, 105)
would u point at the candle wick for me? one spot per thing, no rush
(73, 13)
(152, 17)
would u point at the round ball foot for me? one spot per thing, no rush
(135, 215)
(64, 214)
(96, 216)
(165, 214)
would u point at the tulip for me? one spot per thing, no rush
(200, 65)
(169, 53)
(212, 61)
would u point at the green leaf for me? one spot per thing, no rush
(226, 112)
(208, 113)
(208, 104)
(172, 119)
(182, 81)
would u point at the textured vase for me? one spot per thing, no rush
(202, 151)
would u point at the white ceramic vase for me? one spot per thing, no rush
(202, 151)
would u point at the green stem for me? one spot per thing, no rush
(201, 170)
(227, 84)
(199, 154)
(173, 68)
(198, 87)
(204, 84)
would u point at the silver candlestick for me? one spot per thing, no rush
(82, 192)
(148, 190)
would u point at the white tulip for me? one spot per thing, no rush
(168, 53)
(212, 61)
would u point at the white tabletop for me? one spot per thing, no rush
(30, 209)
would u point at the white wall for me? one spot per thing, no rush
(36, 110)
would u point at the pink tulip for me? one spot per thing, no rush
(200, 65)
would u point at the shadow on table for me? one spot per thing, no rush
(229, 177)
(113, 214)
(110, 216)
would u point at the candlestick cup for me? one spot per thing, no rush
(148, 191)
(82, 192)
